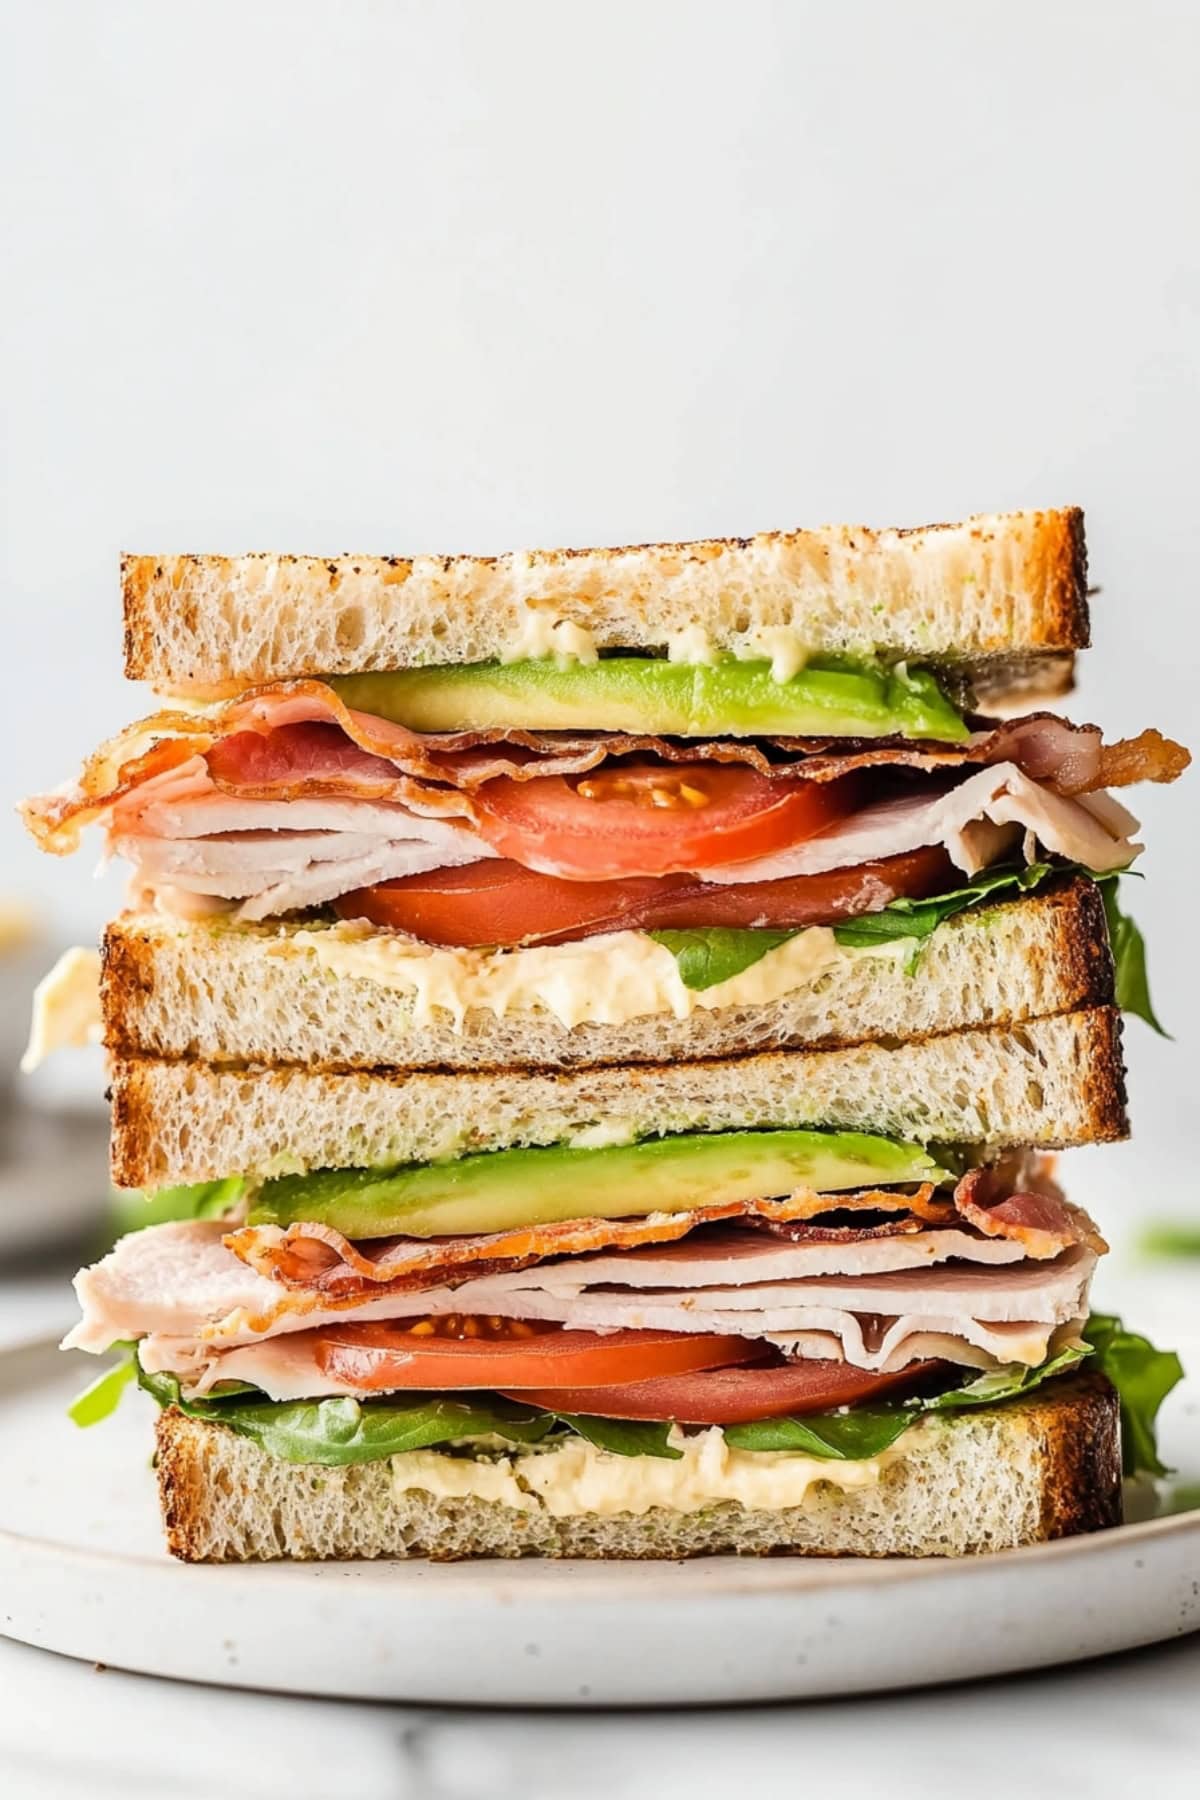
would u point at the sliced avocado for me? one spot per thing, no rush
(832, 697)
(502, 1190)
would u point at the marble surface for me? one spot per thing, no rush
(71, 1729)
(1127, 1725)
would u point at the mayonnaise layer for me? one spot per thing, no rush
(605, 980)
(577, 1478)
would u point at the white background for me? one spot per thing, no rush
(401, 277)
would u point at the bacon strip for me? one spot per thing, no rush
(315, 744)
(1038, 1219)
(318, 1259)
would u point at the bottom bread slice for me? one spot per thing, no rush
(991, 1478)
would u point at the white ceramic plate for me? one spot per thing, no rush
(82, 1571)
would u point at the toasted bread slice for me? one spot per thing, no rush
(1003, 597)
(993, 1478)
(1047, 1083)
(283, 994)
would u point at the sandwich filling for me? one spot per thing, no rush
(289, 800)
(706, 1283)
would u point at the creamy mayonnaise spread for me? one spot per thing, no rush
(576, 1477)
(605, 980)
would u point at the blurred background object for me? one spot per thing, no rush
(461, 277)
(53, 1132)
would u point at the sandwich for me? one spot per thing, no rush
(604, 1023)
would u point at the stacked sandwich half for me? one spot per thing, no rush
(604, 1018)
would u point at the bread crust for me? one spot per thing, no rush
(228, 997)
(997, 593)
(1047, 1084)
(1082, 1489)
(997, 1478)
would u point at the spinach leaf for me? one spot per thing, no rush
(716, 953)
(916, 919)
(342, 1430)
(101, 1398)
(624, 1437)
(1143, 1377)
(843, 1437)
(865, 1431)
(1009, 1382)
(1129, 959)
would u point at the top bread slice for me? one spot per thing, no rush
(1001, 597)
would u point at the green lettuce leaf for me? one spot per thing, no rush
(101, 1398)
(1143, 1377)
(709, 955)
(841, 1436)
(335, 1432)
(916, 919)
(715, 953)
(1009, 1382)
(339, 1431)
(624, 1437)
(1129, 960)
(866, 1431)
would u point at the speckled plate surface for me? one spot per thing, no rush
(82, 1571)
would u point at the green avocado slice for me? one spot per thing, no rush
(502, 1190)
(832, 697)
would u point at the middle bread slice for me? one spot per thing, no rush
(1043, 1083)
(329, 996)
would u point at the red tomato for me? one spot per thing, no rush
(730, 1396)
(466, 1352)
(503, 904)
(653, 818)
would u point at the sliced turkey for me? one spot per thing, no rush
(179, 1289)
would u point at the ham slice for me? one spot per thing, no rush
(298, 738)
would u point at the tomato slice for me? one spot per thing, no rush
(500, 903)
(457, 1351)
(654, 818)
(732, 1396)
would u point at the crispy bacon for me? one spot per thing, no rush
(356, 755)
(1038, 1217)
(318, 1259)
(1147, 757)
